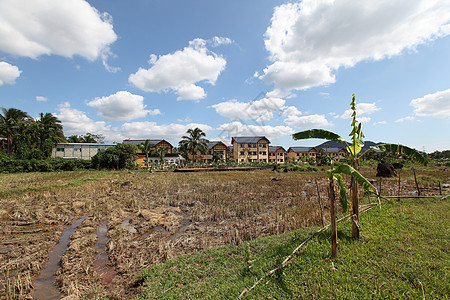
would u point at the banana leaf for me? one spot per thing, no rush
(348, 170)
(318, 134)
(412, 153)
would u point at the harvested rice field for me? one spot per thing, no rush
(90, 234)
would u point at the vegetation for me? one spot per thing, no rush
(193, 142)
(146, 147)
(121, 156)
(404, 255)
(87, 138)
(353, 149)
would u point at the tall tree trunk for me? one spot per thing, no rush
(355, 205)
(332, 196)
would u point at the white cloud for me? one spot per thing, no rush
(173, 131)
(77, 122)
(218, 41)
(307, 121)
(361, 108)
(121, 106)
(259, 110)
(309, 40)
(45, 27)
(179, 71)
(239, 129)
(291, 111)
(433, 105)
(408, 118)
(41, 98)
(8, 73)
(364, 119)
(380, 123)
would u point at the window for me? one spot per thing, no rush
(59, 149)
(242, 152)
(241, 145)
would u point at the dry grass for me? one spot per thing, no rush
(172, 214)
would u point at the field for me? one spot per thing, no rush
(126, 222)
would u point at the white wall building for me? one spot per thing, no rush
(78, 150)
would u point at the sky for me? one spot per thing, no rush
(152, 69)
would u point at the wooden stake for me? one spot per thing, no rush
(440, 189)
(320, 202)
(355, 205)
(379, 187)
(332, 197)
(399, 171)
(415, 179)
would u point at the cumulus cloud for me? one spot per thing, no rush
(291, 111)
(259, 110)
(181, 71)
(238, 129)
(8, 73)
(361, 109)
(41, 98)
(45, 27)
(121, 106)
(77, 122)
(307, 121)
(433, 105)
(173, 131)
(309, 40)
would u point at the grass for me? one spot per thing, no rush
(404, 254)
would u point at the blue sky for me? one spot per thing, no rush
(153, 69)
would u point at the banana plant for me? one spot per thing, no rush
(353, 149)
(334, 175)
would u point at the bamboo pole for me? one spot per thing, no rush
(332, 197)
(320, 202)
(355, 205)
(399, 172)
(415, 179)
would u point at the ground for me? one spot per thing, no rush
(130, 221)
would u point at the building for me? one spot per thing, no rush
(277, 154)
(214, 147)
(156, 143)
(336, 153)
(250, 149)
(169, 157)
(301, 154)
(78, 150)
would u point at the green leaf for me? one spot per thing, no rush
(318, 134)
(411, 153)
(348, 170)
(342, 191)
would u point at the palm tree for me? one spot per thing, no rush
(353, 149)
(194, 142)
(161, 152)
(11, 122)
(146, 147)
(50, 127)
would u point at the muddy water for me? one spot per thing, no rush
(101, 261)
(45, 285)
(184, 225)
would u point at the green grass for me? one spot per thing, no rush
(403, 254)
(17, 184)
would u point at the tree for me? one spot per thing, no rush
(161, 153)
(146, 147)
(194, 142)
(87, 138)
(353, 149)
(118, 157)
(11, 122)
(49, 130)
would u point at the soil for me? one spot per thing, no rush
(128, 228)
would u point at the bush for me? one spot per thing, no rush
(11, 164)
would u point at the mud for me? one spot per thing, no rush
(45, 284)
